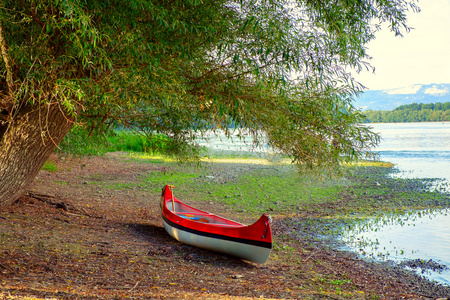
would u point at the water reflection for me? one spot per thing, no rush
(422, 236)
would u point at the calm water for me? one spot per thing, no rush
(219, 143)
(419, 150)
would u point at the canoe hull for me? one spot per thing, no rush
(253, 253)
(252, 243)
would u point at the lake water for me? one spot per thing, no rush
(420, 235)
(221, 144)
(419, 150)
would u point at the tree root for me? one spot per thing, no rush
(67, 207)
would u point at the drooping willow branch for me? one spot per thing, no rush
(3, 49)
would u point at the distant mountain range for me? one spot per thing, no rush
(392, 98)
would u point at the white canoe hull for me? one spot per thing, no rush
(241, 249)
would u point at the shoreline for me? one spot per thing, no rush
(110, 243)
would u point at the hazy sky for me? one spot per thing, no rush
(422, 56)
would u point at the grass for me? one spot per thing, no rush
(149, 158)
(80, 141)
(265, 187)
(269, 189)
(153, 181)
(49, 166)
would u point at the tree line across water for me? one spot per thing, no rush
(415, 112)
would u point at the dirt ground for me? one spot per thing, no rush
(70, 239)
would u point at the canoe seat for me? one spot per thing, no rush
(192, 213)
(226, 225)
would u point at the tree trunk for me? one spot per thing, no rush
(25, 144)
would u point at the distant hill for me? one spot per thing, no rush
(392, 98)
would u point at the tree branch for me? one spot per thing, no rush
(32, 13)
(9, 73)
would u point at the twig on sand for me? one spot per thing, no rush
(134, 286)
(306, 259)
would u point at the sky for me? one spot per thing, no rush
(422, 56)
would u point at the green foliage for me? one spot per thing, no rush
(273, 68)
(80, 141)
(432, 112)
(49, 166)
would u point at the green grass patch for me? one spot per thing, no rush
(150, 158)
(49, 166)
(154, 181)
(81, 141)
(269, 190)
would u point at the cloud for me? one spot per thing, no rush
(412, 89)
(435, 91)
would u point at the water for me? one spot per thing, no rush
(422, 236)
(221, 144)
(419, 150)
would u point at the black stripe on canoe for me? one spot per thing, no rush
(219, 236)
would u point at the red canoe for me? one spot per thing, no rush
(208, 231)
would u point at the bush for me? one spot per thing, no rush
(80, 141)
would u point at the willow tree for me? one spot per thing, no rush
(275, 67)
